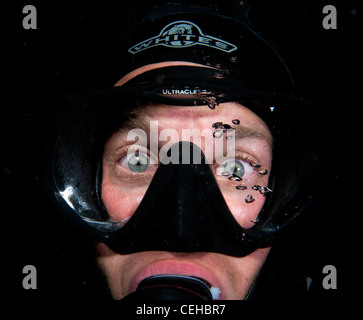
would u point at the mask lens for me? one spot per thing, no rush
(255, 178)
(115, 152)
(239, 156)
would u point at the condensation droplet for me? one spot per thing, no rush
(249, 198)
(217, 134)
(255, 164)
(226, 127)
(234, 177)
(265, 190)
(211, 101)
(218, 75)
(212, 106)
(223, 126)
(217, 125)
(263, 172)
(241, 187)
(225, 173)
(256, 187)
(236, 121)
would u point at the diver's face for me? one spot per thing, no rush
(124, 185)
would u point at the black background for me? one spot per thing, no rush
(40, 66)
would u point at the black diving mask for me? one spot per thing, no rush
(207, 167)
(249, 169)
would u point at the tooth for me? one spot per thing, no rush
(216, 292)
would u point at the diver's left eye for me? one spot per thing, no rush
(234, 167)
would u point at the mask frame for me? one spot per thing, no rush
(291, 120)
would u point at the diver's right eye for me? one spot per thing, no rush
(137, 162)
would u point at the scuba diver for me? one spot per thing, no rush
(189, 157)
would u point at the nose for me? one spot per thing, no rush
(183, 210)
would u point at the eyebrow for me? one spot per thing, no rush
(242, 132)
(137, 120)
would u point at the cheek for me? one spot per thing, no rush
(246, 271)
(120, 200)
(113, 267)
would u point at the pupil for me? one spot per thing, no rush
(138, 163)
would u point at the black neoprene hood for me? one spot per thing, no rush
(192, 33)
(238, 66)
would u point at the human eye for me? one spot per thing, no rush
(236, 169)
(135, 163)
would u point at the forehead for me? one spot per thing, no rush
(177, 118)
(202, 115)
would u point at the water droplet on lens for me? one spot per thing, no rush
(217, 125)
(265, 190)
(249, 198)
(263, 172)
(234, 177)
(236, 121)
(256, 187)
(217, 134)
(241, 187)
(226, 126)
(211, 101)
(218, 75)
(255, 164)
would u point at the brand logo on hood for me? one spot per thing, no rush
(182, 34)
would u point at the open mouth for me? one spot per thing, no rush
(178, 275)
